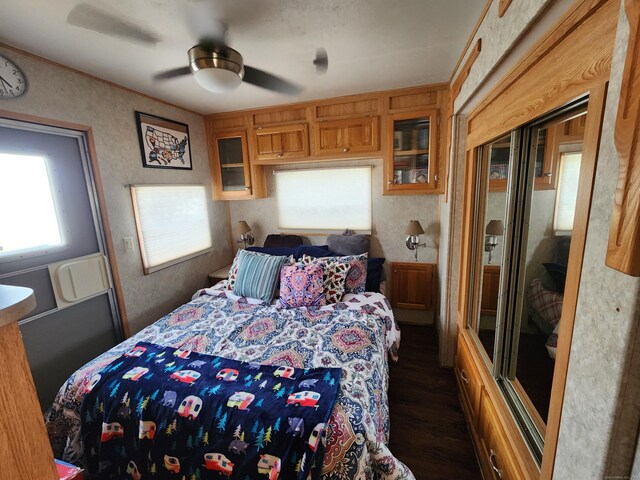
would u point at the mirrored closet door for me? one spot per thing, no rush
(526, 195)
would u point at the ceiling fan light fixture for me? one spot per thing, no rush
(218, 70)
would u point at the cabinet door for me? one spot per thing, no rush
(490, 290)
(344, 137)
(411, 162)
(412, 285)
(281, 142)
(469, 381)
(230, 171)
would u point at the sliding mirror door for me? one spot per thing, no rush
(526, 194)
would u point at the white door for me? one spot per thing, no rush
(49, 221)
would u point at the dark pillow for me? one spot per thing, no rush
(278, 251)
(374, 274)
(349, 244)
(558, 274)
(282, 240)
(313, 251)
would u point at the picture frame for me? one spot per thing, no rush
(164, 143)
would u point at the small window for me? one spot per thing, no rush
(173, 223)
(31, 224)
(330, 199)
(567, 193)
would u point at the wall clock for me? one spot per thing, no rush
(13, 83)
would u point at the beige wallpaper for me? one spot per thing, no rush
(61, 94)
(391, 214)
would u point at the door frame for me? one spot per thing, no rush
(84, 135)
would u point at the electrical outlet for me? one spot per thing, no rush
(128, 244)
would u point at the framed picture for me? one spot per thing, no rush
(164, 143)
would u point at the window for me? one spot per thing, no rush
(324, 199)
(173, 223)
(30, 223)
(567, 192)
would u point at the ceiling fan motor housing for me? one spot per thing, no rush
(217, 69)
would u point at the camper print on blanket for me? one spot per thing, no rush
(196, 416)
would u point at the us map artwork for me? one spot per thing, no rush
(165, 148)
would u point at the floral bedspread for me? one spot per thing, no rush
(357, 335)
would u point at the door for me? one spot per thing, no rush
(49, 224)
(282, 142)
(353, 135)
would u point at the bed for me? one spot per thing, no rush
(358, 334)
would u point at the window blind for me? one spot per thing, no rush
(173, 223)
(567, 193)
(324, 199)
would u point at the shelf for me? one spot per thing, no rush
(232, 165)
(402, 153)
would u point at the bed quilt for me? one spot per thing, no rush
(162, 410)
(357, 335)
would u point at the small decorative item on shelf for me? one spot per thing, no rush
(397, 140)
(495, 229)
(414, 230)
(246, 237)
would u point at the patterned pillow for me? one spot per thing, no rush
(357, 277)
(548, 304)
(301, 286)
(335, 275)
(233, 270)
(258, 275)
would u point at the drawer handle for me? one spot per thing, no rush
(492, 462)
(345, 149)
(463, 376)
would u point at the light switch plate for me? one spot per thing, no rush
(128, 244)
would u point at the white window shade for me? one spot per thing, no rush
(567, 193)
(324, 199)
(173, 223)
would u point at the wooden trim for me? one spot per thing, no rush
(93, 77)
(591, 146)
(503, 6)
(623, 251)
(102, 204)
(456, 86)
(565, 64)
(471, 37)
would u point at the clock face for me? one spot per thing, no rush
(12, 81)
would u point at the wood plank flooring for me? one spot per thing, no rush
(428, 430)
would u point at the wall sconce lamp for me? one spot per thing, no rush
(495, 229)
(414, 230)
(246, 236)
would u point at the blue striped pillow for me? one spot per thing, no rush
(258, 275)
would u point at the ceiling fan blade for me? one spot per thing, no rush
(173, 73)
(92, 18)
(260, 78)
(321, 61)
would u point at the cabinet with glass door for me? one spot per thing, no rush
(411, 160)
(230, 169)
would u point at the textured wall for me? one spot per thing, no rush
(391, 214)
(61, 94)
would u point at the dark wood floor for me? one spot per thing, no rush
(428, 430)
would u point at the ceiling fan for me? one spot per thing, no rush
(215, 66)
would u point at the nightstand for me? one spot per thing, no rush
(412, 285)
(222, 274)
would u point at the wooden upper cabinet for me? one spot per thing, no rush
(281, 143)
(411, 160)
(412, 285)
(230, 169)
(347, 136)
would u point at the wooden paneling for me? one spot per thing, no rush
(355, 135)
(412, 285)
(361, 107)
(490, 290)
(456, 86)
(623, 252)
(281, 143)
(503, 6)
(564, 65)
(271, 117)
(24, 444)
(413, 101)
(226, 122)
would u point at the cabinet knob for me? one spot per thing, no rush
(390, 182)
(547, 174)
(279, 155)
(246, 187)
(345, 149)
(492, 462)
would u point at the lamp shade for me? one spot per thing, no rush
(495, 227)
(217, 80)
(243, 227)
(414, 228)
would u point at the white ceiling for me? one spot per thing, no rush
(372, 44)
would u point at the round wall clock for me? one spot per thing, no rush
(13, 83)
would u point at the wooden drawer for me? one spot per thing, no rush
(496, 457)
(468, 377)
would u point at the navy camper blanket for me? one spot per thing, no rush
(161, 412)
